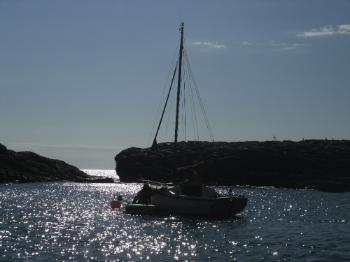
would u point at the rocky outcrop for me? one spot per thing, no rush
(317, 164)
(31, 167)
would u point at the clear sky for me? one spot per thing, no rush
(81, 80)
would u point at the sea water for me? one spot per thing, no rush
(74, 221)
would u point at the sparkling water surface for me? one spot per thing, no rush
(74, 221)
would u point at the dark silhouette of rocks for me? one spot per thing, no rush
(31, 167)
(315, 164)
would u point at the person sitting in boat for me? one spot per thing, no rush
(191, 186)
(143, 196)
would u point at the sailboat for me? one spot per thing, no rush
(190, 196)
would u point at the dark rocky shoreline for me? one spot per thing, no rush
(315, 164)
(18, 167)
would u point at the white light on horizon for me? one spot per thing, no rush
(343, 29)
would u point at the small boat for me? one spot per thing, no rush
(189, 196)
(165, 199)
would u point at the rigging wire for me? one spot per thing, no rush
(206, 120)
(194, 119)
(185, 113)
(192, 105)
(183, 105)
(166, 103)
(168, 129)
(174, 61)
(169, 115)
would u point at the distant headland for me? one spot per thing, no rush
(315, 164)
(31, 167)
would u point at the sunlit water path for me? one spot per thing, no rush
(73, 221)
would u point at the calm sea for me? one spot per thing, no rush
(73, 221)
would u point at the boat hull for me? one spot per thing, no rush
(198, 206)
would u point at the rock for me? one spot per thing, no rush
(31, 167)
(3, 149)
(317, 164)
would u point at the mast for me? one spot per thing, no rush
(178, 68)
(179, 82)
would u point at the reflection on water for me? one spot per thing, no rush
(42, 221)
(102, 172)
